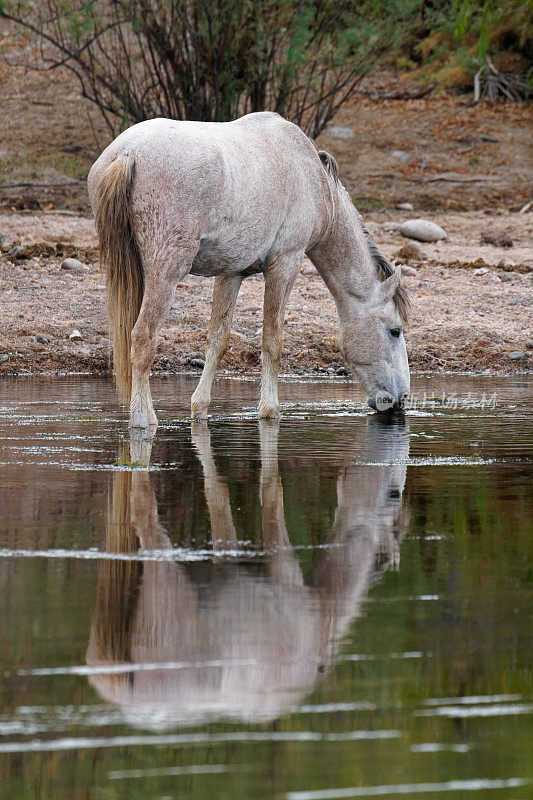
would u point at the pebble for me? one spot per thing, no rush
(15, 251)
(408, 271)
(529, 345)
(39, 339)
(75, 336)
(422, 229)
(405, 207)
(74, 266)
(410, 252)
(4, 358)
(516, 355)
(402, 155)
(2, 239)
(339, 132)
(342, 371)
(480, 271)
(498, 237)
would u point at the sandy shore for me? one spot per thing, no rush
(472, 303)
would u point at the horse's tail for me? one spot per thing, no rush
(120, 261)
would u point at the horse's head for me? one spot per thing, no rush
(372, 304)
(373, 345)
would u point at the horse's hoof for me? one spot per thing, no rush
(268, 412)
(199, 410)
(143, 422)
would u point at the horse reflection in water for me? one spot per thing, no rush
(249, 646)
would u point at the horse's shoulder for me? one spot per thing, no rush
(260, 118)
(269, 121)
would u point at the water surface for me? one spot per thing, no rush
(335, 606)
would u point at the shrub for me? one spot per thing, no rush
(214, 59)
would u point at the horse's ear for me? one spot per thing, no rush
(330, 165)
(389, 287)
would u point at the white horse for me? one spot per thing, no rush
(230, 200)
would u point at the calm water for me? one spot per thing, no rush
(334, 607)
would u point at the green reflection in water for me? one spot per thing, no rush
(450, 623)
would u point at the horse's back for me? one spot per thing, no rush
(164, 151)
(232, 185)
(254, 151)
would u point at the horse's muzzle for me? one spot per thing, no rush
(384, 402)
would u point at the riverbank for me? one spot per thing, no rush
(471, 302)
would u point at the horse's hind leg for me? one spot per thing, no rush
(279, 280)
(224, 298)
(159, 290)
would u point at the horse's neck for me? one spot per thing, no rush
(343, 257)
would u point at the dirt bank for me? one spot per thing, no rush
(468, 313)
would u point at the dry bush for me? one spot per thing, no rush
(211, 59)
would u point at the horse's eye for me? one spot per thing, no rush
(396, 332)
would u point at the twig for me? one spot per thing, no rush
(95, 136)
(64, 212)
(414, 95)
(40, 185)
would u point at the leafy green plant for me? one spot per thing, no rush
(487, 19)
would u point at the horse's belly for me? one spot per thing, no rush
(233, 258)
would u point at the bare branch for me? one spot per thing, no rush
(204, 59)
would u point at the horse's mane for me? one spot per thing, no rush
(383, 266)
(329, 164)
(385, 270)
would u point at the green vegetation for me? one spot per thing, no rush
(74, 166)
(366, 205)
(129, 464)
(215, 59)
(494, 24)
(23, 164)
(465, 32)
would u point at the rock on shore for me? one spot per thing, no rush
(423, 230)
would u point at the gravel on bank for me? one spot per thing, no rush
(472, 302)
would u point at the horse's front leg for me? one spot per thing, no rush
(224, 298)
(282, 564)
(223, 534)
(279, 280)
